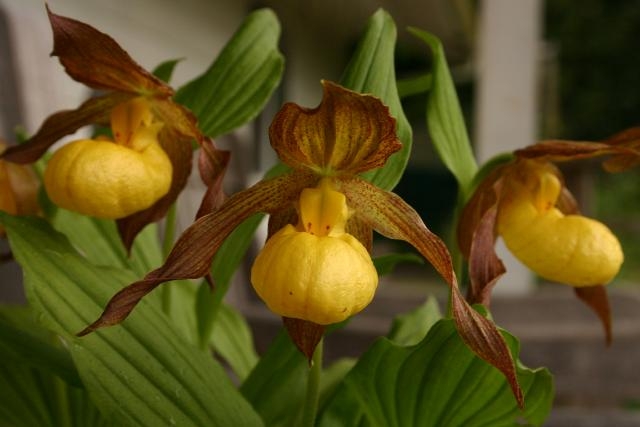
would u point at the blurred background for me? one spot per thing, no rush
(525, 70)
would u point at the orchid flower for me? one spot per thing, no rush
(525, 202)
(96, 60)
(315, 268)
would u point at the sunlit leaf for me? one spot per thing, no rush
(442, 383)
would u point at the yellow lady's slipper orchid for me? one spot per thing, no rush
(112, 179)
(319, 271)
(569, 249)
(316, 271)
(524, 201)
(137, 173)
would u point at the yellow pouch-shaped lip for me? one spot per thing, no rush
(107, 180)
(569, 249)
(323, 279)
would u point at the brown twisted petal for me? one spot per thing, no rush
(62, 123)
(597, 299)
(191, 255)
(95, 59)
(559, 150)
(348, 132)
(484, 197)
(391, 216)
(485, 268)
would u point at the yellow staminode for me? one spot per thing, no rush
(316, 271)
(112, 179)
(570, 249)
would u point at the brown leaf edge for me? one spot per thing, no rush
(597, 299)
(305, 335)
(97, 60)
(212, 165)
(485, 267)
(322, 138)
(192, 253)
(62, 123)
(392, 217)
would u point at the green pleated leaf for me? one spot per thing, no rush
(31, 397)
(98, 240)
(141, 372)
(444, 117)
(385, 264)
(25, 342)
(233, 341)
(440, 383)
(276, 386)
(229, 335)
(241, 80)
(371, 70)
(411, 328)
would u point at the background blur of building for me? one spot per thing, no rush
(526, 70)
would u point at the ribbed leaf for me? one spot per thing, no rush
(371, 70)
(32, 397)
(442, 383)
(232, 340)
(39, 385)
(139, 373)
(444, 118)
(241, 80)
(23, 341)
(411, 328)
(98, 240)
(276, 386)
(224, 265)
(385, 264)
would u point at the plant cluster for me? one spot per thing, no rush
(101, 343)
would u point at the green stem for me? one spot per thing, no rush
(313, 388)
(167, 244)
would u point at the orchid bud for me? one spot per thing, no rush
(112, 179)
(316, 271)
(569, 249)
